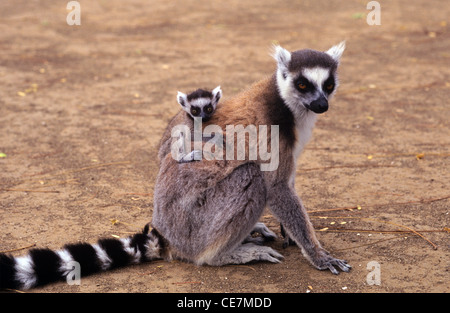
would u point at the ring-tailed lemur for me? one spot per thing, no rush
(203, 211)
(199, 104)
(223, 199)
(43, 266)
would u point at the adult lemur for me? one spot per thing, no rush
(204, 210)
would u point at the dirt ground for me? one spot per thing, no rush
(82, 109)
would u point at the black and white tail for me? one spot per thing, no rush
(43, 266)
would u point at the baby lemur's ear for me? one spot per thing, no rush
(217, 94)
(182, 99)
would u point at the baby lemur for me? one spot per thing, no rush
(199, 105)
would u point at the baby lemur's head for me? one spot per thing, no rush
(200, 103)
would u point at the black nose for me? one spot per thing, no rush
(206, 117)
(319, 106)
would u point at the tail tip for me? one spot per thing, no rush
(146, 229)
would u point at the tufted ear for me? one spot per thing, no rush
(336, 51)
(182, 100)
(217, 94)
(283, 58)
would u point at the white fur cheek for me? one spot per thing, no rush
(283, 85)
(288, 93)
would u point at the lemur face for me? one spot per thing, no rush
(307, 78)
(201, 107)
(200, 103)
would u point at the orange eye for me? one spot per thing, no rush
(330, 86)
(302, 86)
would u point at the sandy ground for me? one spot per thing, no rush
(82, 109)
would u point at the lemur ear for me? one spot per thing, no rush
(336, 51)
(283, 58)
(182, 99)
(217, 94)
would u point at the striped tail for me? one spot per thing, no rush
(43, 266)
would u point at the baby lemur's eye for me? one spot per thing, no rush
(209, 110)
(195, 111)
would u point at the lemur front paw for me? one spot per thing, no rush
(325, 261)
(195, 155)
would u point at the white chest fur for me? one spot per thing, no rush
(303, 131)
